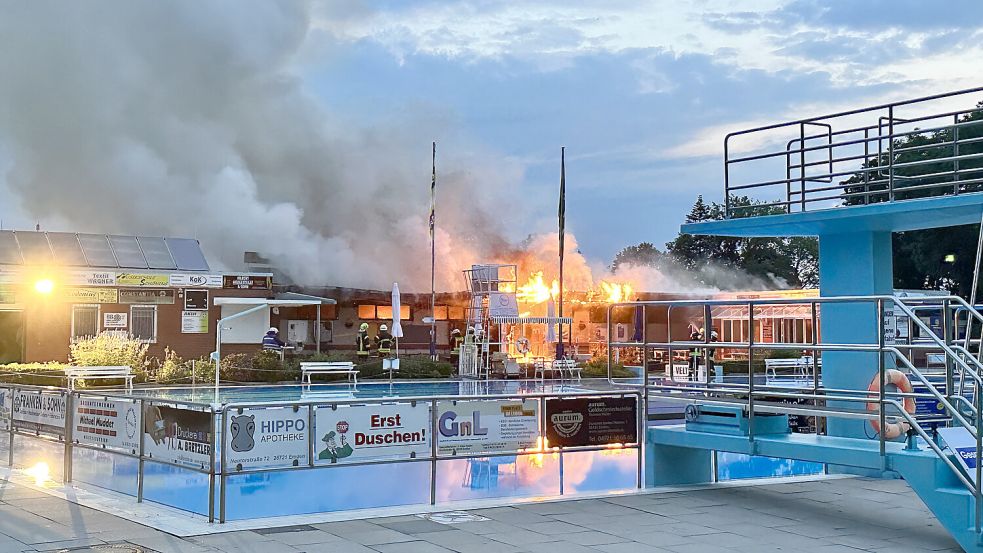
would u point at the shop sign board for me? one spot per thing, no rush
(114, 320)
(486, 426)
(195, 299)
(266, 438)
(194, 322)
(110, 423)
(196, 280)
(91, 278)
(142, 279)
(963, 444)
(247, 282)
(39, 411)
(177, 435)
(591, 421)
(156, 297)
(368, 432)
(91, 295)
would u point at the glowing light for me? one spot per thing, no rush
(44, 286)
(39, 472)
(535, 290)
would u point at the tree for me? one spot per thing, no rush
(642, 255)
(779, 262)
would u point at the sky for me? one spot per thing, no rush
(308, 124)
(640, 92)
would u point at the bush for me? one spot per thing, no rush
(597, 367)
(34, 374)
(109, 349)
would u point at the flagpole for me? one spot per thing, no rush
(561, 215)
(433, 254)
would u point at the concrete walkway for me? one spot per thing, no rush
(836, 515)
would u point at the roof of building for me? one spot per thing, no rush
(113, 251)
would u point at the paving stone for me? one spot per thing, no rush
(592, 537)
(411, 547)
(418, 526)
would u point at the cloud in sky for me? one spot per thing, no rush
(640, 92)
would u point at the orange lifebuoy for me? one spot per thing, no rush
(892, 429)
(522, 345)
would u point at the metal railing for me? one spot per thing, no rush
(823, 402)
(219, 471)
(895, 151)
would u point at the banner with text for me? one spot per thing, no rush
(366, 432)
(177, 435)
(39, 411)
(486, 426)
(582, 422)
(266, 438)
(110, 423)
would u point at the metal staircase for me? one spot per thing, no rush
(745, 413)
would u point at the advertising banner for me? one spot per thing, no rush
(114, 320)
(155, 297)
(963, 444)
(186, 280)
(142, 279)
(91, 295)
(109, 423)
(247, 282)
(39, 411)
(266, 438)
(486, 426)
(582, 422)
(91, 278)
(195, 300)
(367, 432)
(194, 322)
(501, 304)
(176, 435)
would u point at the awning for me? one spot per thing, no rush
(533, 320)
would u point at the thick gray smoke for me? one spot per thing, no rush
(187, 118)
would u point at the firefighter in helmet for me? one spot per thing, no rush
(456, 340)
(383, 341)
(362, 343)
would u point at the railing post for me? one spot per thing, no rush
(880, 375)
(979, 447)
(726, 183)
(815, 362)
(608, 334)
(643, 416)
(222, 477)
(10, 428)
(802, 165)
(750, 373)
(69, 423)
(955, 154)
(140, 460)
(433, 452)
(867, 169)
(890, 155)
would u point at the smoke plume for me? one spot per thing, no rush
(188, 118)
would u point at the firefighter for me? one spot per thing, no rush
(272, 341)
(383, 341)
(362, 343)
(456, 341)
(696, 335)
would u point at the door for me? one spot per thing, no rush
(11, 337)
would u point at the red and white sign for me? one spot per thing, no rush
(365, 432)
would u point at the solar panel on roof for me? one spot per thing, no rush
(128, 252)
(97, 250)
(65, 246)
(187, 254)
(156, 252)
(9, 250)
(34, 247)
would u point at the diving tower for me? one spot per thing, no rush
(851, 179)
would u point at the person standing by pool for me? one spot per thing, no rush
(362, 343)
(383, 341)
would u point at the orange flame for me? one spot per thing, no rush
(535, 290)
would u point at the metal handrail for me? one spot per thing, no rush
(839, 147)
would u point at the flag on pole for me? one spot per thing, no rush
(433, 253)
(433, 192)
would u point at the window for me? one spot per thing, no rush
(143, 322)
(85, 321)
(382, 312)
(440, 312)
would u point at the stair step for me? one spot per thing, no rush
(951, 490)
